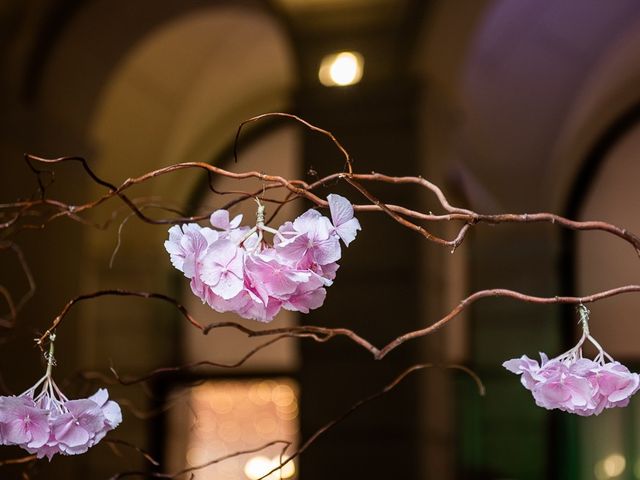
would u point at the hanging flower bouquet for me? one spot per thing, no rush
(42, 420)
(234, 269)
(575, 384)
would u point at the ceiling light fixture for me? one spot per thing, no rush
(341, 69)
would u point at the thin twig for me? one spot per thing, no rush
(190, 366)
(360, 403)
(300, 188)
(147, 456)
(197, 467)
(117, 293)
(19, 460)
(324, 334)
(505, 293)
(317, 434)
(14, 308)
(347, 157)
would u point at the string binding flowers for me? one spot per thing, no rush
(43, 421)
(233, 268)
(575, 384)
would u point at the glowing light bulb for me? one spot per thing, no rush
(257, 467)
(341, 69)
(610, 467)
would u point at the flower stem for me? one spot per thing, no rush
(584, 318)
(50, 358)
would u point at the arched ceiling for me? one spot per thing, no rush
(524, 74)
(180, 93)
(191, 72)
(338, 14)
(607, 96)
(604, 262)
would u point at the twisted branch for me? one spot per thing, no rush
(324, 334)
(317, 434)
(360, 403)
(9, 320)
(137, 473)
(301, 189)
(295, 189)
(118, 293)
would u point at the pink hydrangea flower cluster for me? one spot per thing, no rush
(42, 420)
(234, 269)
(576, 384)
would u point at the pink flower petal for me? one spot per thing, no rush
(346, 226)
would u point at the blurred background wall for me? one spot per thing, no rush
(509, 105)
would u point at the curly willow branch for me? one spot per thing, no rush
(14, 308)
(317, 434)
(117, 293)
(190, 366)
(324, 334)
(295, 189)
(19, 460)
(196, 467)
(360, 403)
(347, 157)
(115, 442)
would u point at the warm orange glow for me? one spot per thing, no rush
(231, 415)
